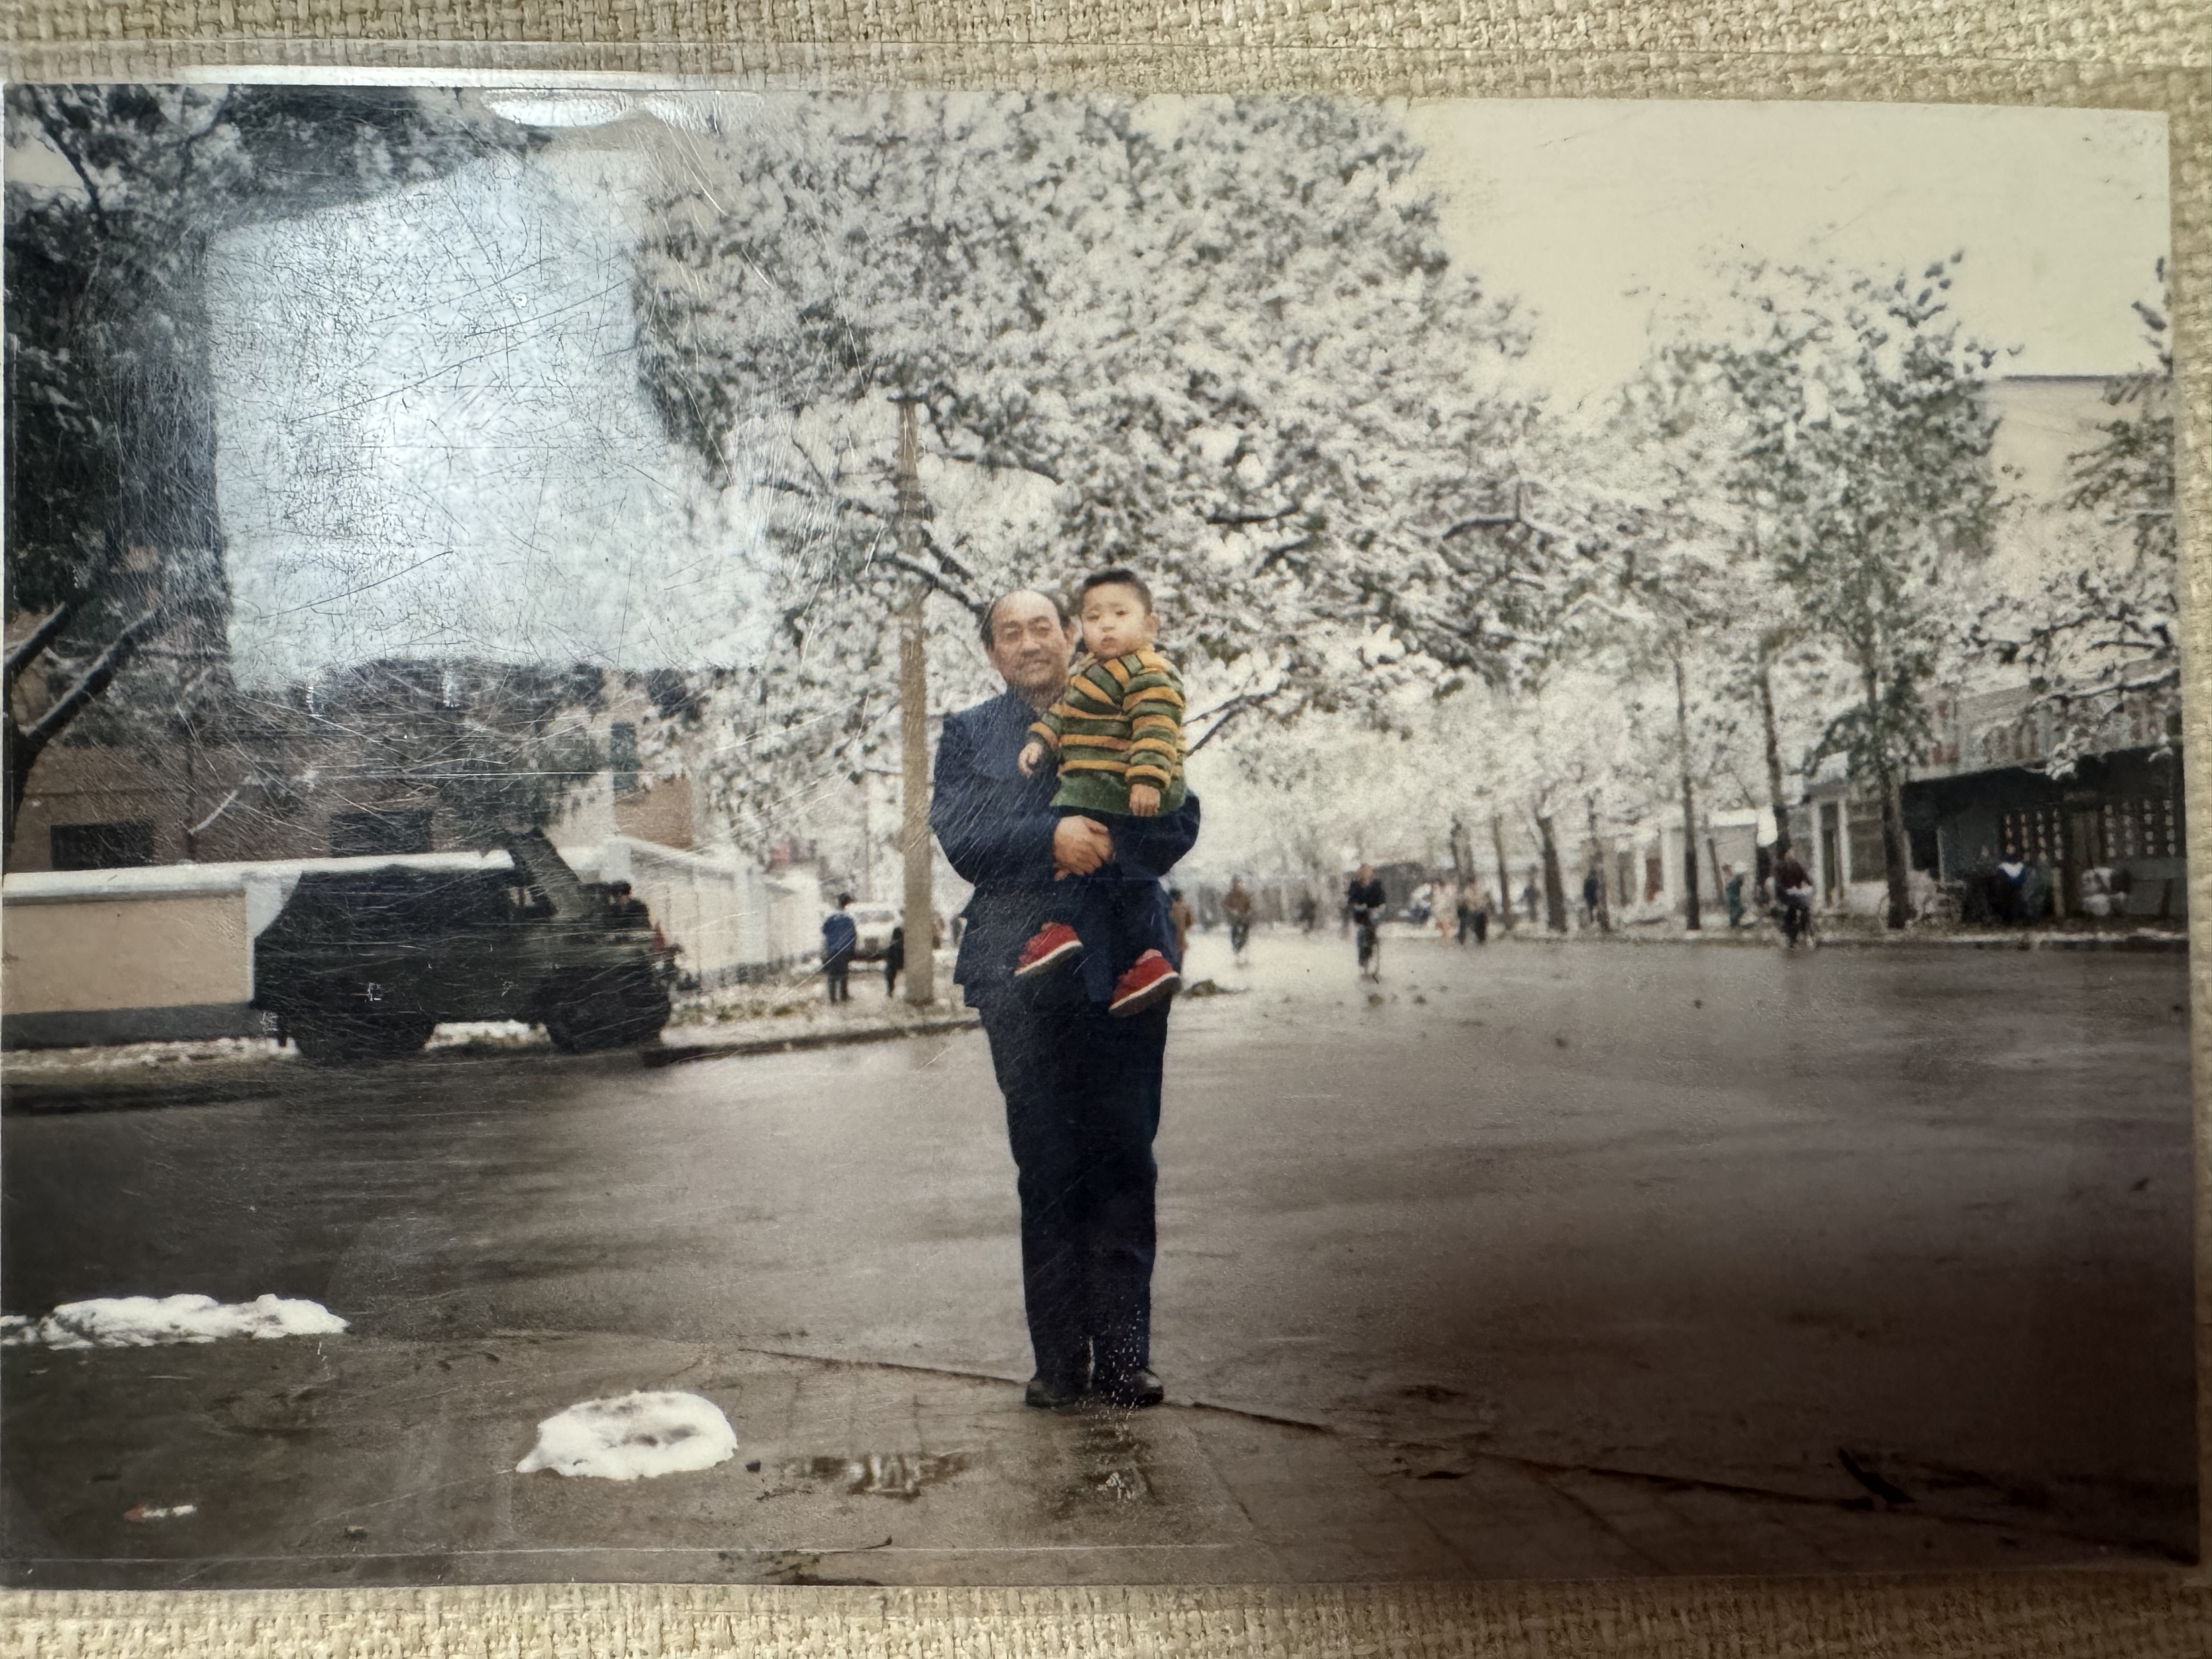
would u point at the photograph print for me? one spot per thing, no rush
(891, 838)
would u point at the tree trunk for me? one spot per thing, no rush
(1463, 852)
(1690, 916)
(1896, 856)
(1505, 876)
(1603, 910)
(18, 776)
(1781, 807)
(1896, 850)
(913, 737)
(1555, 888)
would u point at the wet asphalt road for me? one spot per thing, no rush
(1698, 1213)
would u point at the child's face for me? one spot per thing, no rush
(1115, 622)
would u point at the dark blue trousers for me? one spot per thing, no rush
(1082, 1103)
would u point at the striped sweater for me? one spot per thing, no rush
(1119, 722)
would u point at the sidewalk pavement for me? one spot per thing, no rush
(365, 1461)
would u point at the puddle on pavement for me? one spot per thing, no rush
(877, 1475)
(1110, 1461)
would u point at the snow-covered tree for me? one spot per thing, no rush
(1217, 339)
(2102, 636)
(1865, 470)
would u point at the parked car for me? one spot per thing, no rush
(365, 965)
(874, 923)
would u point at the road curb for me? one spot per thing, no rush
(1764, 940)
(683, 1053)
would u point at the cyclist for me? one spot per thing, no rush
(1793, 897)
(1364, 900)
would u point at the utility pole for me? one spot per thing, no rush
(914, 724)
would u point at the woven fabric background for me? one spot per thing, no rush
(2152, 54)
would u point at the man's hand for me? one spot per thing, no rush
(1144, 801)
(1031, 757)
(1080, 846)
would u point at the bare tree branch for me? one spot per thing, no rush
(25, 651)
(111, 662)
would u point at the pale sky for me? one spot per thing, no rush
(1598, 215)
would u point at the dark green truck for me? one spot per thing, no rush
(363, 965)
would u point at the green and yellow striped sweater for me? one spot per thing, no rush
(1119, 722)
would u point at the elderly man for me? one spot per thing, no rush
(1082, 1088)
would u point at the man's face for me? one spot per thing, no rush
(1028, 647)
(1116, 621)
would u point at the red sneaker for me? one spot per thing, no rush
(1152, 980)
(1049, 946)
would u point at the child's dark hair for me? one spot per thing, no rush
(1118, 576)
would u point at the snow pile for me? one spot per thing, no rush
(148, 1322)
(637, 1435)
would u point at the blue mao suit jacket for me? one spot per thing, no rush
(996, 826)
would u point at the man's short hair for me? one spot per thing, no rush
(843, 899)
(1118, 576)
(990, 617)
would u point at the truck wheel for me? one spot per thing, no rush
(336, 1040)
(606, 1013)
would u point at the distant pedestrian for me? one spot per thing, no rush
(2034, 892)
(1308, 913)
(2012, 878)
(1530, 898)
(1978, 899)
(1732, 893)
(894, 961)
(840, 938)
(1593, 896)
(1180, 918)
(1465, 915)
(1482, 917)
(1236, 909)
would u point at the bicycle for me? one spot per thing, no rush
(1369, 939)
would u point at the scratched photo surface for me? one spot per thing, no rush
(617, 968)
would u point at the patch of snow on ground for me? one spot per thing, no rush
(148, 1322)
(125, 1056)
(159, 1511)
(633, 1436)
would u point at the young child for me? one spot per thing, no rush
(1117, 730)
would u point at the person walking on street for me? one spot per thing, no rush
(894, 961)
(840, 938)
(1530, 898)
(1593, 896)
(1482, 916)
(1236, 909)
(2011, 887)
(1081, 1088)
(1465, 915)
(1732, 894)
(1180, 918)
(1364, 902)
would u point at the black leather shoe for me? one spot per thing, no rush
(1134, 1392)
(1049, 1396)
